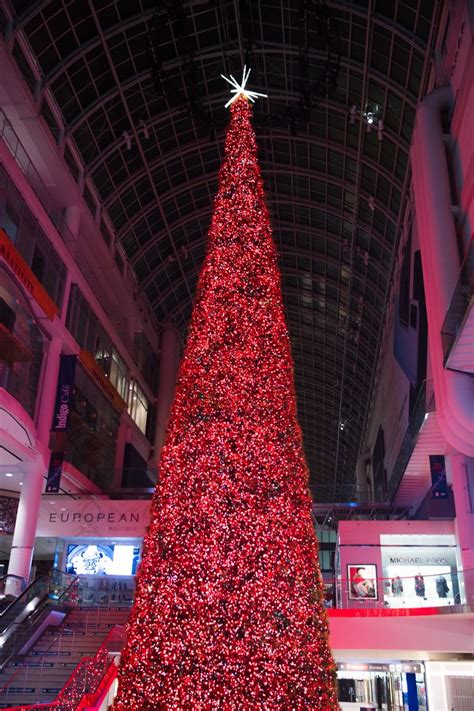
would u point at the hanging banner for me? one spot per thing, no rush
(54, 472)
(64, 393)
(439, 484)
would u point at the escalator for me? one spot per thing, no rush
(20, 616)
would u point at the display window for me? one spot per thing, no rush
(412, 586)
(419, 576)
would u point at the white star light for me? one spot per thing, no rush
(240, 90)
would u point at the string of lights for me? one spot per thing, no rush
(228, 611)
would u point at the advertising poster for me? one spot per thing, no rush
(54, 472)
(362, 582)
(439, 484)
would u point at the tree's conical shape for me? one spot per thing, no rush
(228, 611)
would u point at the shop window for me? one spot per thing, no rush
(419, 571)
(151, 424)
(147, 360)
(85, 327)
(118, 374)
(135, 469)
(92, 437)
(30, 240)
(138, 405)
(38, 264)
(21, 345)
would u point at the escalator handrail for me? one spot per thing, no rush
(8, 632)
(23, 594)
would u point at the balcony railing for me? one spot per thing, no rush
(440, 589)
(85, 681)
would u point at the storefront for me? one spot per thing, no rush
(391, 686)
(98, 538)
(396, 564)
(418, 575)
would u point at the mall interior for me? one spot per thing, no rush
(112, 122)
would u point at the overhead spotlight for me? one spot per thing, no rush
(370, 117)
(144, 129)
(127, 139)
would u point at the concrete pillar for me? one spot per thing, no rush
(456, 465)
(169, 362)
(47, 396)
(25, 526)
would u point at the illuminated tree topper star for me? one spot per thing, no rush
(240, 90)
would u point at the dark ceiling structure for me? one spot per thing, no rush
(133, 93)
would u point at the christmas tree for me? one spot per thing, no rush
(228, 611)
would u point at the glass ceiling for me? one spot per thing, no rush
(336, 193)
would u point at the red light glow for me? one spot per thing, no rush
(228, 611)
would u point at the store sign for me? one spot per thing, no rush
(405, 667)
(98, 375)
(64, 393)
(64, 517)
(418, 560)
(25, 276)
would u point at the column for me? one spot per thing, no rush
(457, 470)
(25, 525)
(169, 362)
(48, 390)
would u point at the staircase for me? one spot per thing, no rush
(39, 676)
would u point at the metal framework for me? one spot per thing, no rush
(336, 193)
